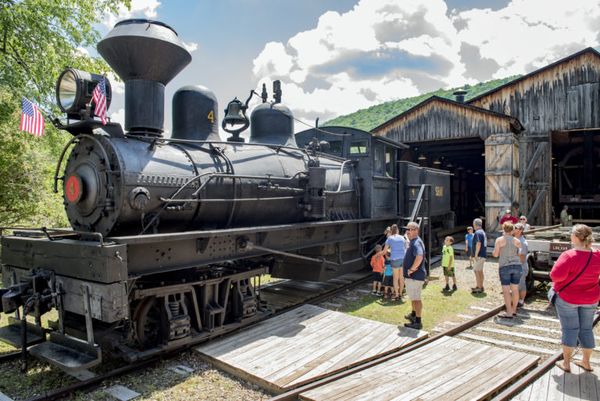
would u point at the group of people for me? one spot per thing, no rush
(400, 265)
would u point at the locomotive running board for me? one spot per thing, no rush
(11, 333)
(67, 353)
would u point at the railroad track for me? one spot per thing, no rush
(535, 331)
(280, 297)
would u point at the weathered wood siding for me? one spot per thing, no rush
(566, 96)
(501, 176)
(439, 120)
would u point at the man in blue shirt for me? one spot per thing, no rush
(414, 274)
(479, 245)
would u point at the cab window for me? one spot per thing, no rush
(359, 148)
(390, 161)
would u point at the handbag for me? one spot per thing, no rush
(552, 293)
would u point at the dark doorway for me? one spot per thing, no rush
(464, 158)
(576, 174)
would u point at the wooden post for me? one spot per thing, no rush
(501, 176)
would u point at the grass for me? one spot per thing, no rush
(437, 306)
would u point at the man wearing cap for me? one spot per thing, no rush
(508, 217)
(414, 274)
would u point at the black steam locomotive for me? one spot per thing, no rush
(169, 234)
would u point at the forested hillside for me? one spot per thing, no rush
(367, 119)
(39, 39)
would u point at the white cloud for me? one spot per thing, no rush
(139, 8)
(118, 117)
(117, 86)
(386, 49)
(190, 46)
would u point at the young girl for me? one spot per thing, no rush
(377, 262)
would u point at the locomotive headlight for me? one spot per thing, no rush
(74, 90)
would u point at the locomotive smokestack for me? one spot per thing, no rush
(146, 55)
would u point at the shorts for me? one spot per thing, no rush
(522, 283)
(388, 281)
(377, 276)
(510, 274)
(413, 289)
(397, 263)
(471, 253)
(478, 265)
(448, 271)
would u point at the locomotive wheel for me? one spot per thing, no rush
(151, 323)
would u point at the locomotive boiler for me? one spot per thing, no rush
(169, 234)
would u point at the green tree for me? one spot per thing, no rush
(38, 39)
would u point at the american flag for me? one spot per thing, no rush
(99, 97)
(32, 120)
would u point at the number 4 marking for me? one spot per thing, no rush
(211, 116)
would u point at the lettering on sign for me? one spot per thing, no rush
(559, 246)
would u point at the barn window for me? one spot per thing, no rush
(359, 147)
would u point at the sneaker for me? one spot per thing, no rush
(379, 293)
(374, 292)
(454, 287)
(520, 304)
(446, 288)
(413, 325)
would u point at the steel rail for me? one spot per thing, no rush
(293, 394)
(9, 356)
(532, 376)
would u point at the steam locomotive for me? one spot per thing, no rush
(169, 234)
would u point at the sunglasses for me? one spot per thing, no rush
(411, 229)
(523, 219)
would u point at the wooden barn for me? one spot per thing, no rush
(531, 144)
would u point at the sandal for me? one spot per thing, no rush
(505, 316)
(580, 364)
(394, 299)
(561, 366)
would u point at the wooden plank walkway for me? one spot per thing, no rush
(303, 345)
(558, 385)
(446, 369)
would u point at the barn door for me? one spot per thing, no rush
(535, 180)
(501, 176)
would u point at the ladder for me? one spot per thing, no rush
(420, 214)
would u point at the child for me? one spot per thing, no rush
(377, 261)
(388, 282)
(469, 246)
(448, 263)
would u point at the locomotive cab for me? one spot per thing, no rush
(375, 161)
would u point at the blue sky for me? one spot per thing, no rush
(337, 56)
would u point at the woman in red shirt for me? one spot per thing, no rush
(576, 302)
